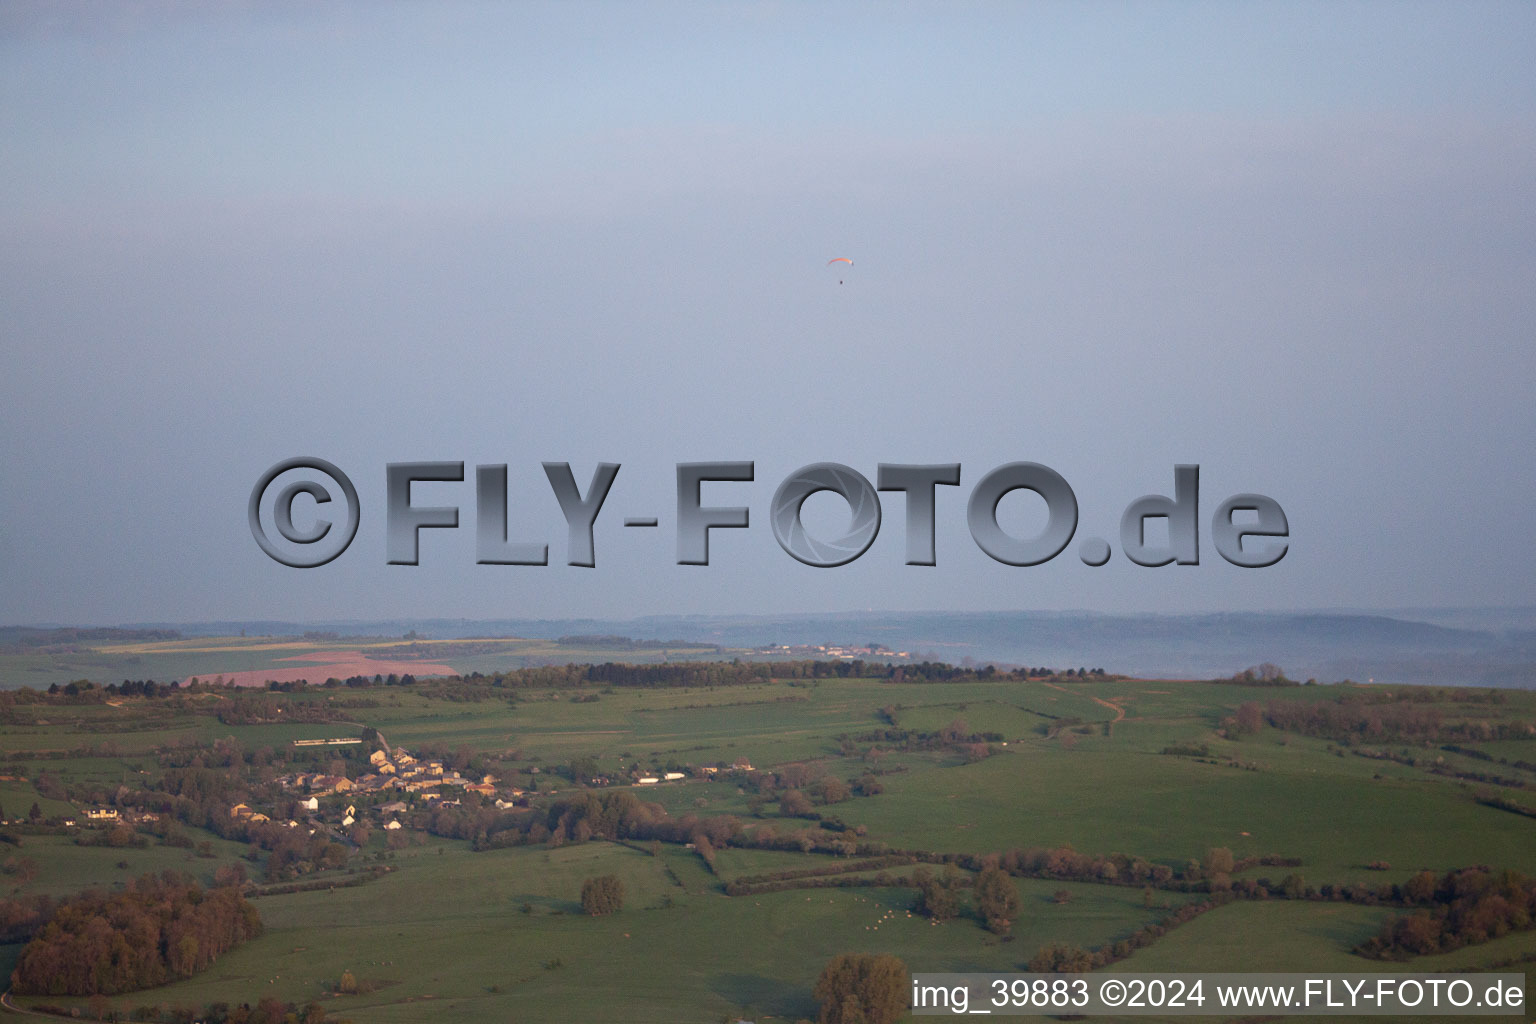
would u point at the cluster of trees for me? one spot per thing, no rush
(159, 929)
(1096, 674)
(957, 736)
(602, 895)
(806, 781)
(1463, 908)
(257, 708)
(484, 826)
(80, 691)
(21, 917)
(1067, 864)
(1391, 716)
(364, 682)
(862, 988)
(1266, 674)
(198, 796)
(1247, 721)
(1349, 722)
(936, 896)
(795, 804)
(143, 688)
(293, 852)
(995, 899)
(612, 814)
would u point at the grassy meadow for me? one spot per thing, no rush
(449, 934)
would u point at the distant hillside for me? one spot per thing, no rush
(62, 639)
(1461, 647)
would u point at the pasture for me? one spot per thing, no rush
(1147, 768)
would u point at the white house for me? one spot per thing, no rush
(312, 804)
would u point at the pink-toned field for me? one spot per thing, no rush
(321, 665)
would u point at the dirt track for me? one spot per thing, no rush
(1116, 708)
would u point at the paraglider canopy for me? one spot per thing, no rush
(839, 259)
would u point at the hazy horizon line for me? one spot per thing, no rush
(1391, 611)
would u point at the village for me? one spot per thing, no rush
(837, 652)
(414, 783)
(392, 782)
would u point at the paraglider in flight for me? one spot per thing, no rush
(840, 259)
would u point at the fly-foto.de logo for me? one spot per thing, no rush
(1248, 530)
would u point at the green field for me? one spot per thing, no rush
(439, 933)
(450, 934)
(167, 660)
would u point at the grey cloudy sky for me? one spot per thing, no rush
(1295, 244)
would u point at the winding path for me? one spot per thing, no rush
(1116, 708)
(10, 1007)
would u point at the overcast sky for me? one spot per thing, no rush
(1292, 243)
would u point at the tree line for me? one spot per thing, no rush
(1348, 720)
(616, 674)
